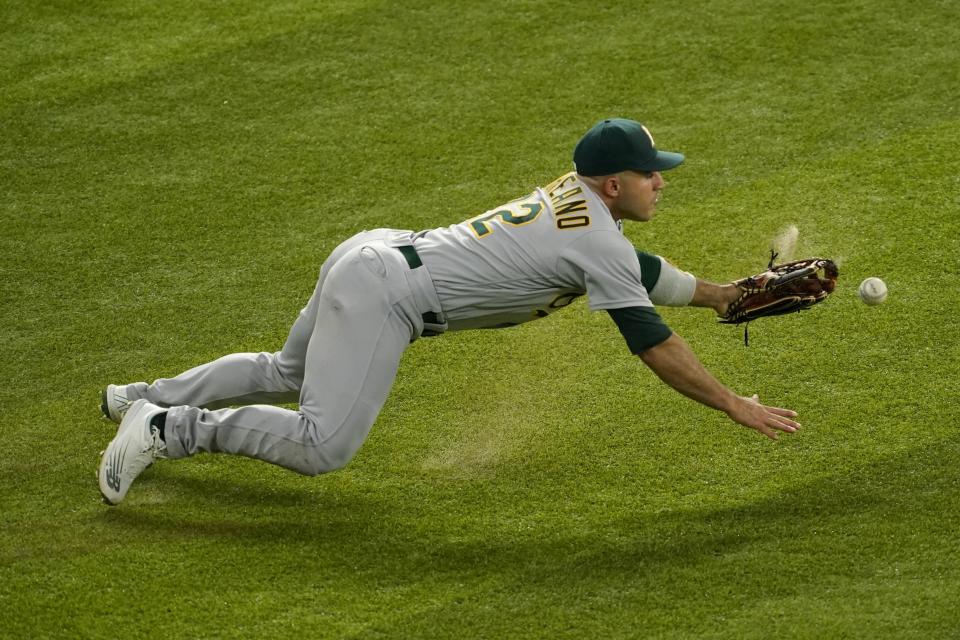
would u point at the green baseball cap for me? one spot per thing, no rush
(618, 144)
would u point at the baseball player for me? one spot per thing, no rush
(381, 290)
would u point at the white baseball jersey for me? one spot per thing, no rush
(530, 257)
(512, 264)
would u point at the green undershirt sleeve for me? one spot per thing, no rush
(641, 327)
(649, 269)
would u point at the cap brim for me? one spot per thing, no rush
(664, 160)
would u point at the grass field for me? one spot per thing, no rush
(173, 174)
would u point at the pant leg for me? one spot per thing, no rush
(365, 318)
(252, 378)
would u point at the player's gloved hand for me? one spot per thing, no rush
(782, 288)
(767, 420)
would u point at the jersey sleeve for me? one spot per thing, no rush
(607, 265)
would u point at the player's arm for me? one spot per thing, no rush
(714, 296)
(675, 363)
(669, 356)
(672, 287)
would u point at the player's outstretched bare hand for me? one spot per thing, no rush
(767, 420)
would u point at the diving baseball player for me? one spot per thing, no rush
(381, 290)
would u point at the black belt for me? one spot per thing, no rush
(413, 259)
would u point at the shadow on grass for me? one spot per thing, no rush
(882, 508)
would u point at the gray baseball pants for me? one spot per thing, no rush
(339, 361)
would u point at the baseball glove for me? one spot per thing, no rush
(782, 288)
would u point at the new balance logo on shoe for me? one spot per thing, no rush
(113, 469)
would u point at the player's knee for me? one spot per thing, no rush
(337, 456)
(324, 461)
(283, 370)
(325, 454)
(289, 369)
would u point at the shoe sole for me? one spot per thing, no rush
(104, 407)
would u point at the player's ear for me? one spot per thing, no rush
(612, 186)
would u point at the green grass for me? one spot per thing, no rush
(173, 174)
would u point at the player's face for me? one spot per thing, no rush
(639, 193)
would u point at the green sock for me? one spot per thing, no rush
(160, 422)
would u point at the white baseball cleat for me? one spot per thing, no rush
(135, 447)
(114, 402)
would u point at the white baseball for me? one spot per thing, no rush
(873, 291)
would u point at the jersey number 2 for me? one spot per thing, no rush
(518, 214)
